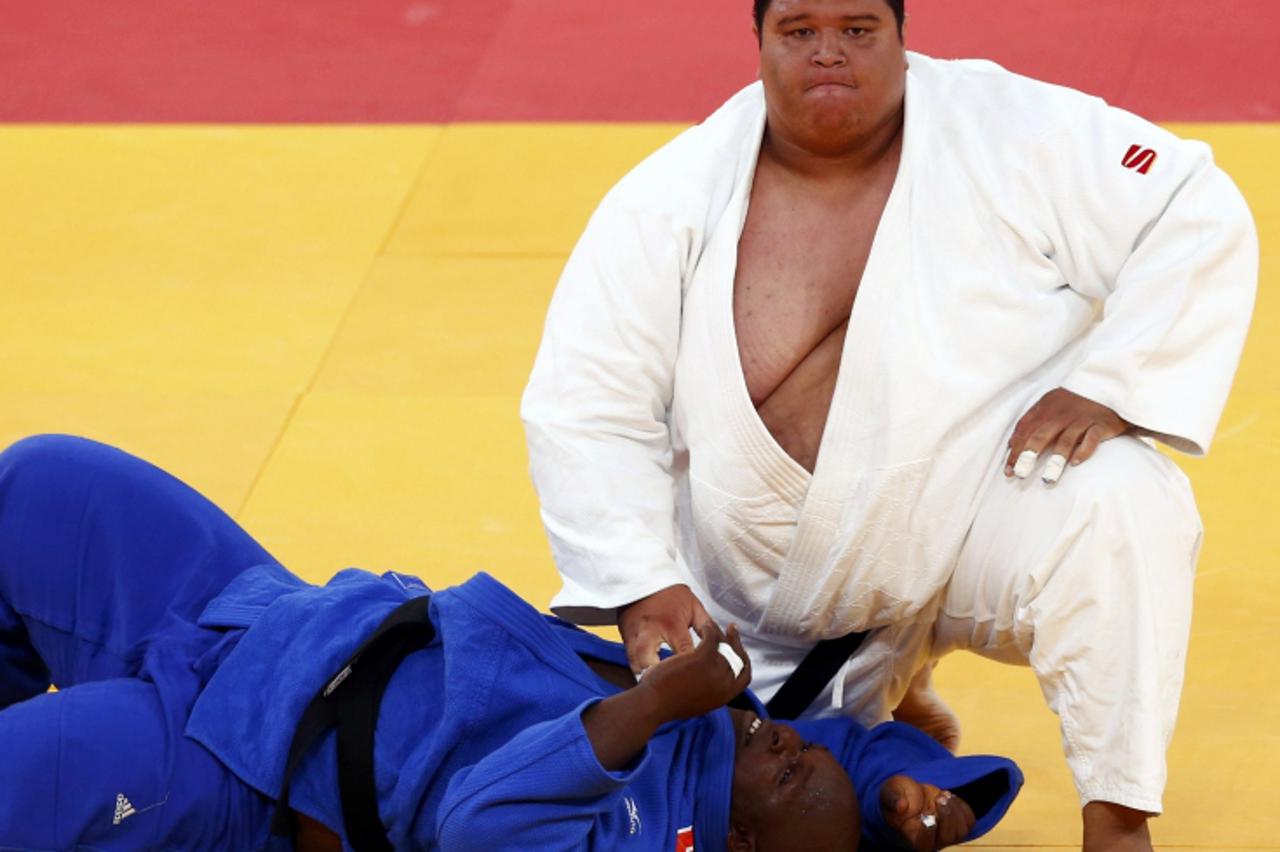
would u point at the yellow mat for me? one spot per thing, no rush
(327, 330)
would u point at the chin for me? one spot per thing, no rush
(835, 122)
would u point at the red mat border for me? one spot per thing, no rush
(321, 61)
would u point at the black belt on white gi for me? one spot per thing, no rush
(813, 674)
(349, 701)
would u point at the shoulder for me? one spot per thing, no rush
(699, 165)
(980, 107)
(1004, 103)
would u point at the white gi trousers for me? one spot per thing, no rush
(1089, 582)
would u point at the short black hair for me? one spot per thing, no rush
(898, 7)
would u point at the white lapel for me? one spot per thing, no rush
(854, 441)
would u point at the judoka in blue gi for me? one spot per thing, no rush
(185, 657)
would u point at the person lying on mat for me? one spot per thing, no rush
(210, 699)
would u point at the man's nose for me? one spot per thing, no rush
(829, 52)
(788, 741)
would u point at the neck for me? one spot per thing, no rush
(826, 160)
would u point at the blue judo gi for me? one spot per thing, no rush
(185, 655)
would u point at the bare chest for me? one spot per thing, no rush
(801, 260)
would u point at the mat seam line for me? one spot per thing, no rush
(343, 319)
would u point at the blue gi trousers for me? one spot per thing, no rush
(105, 564)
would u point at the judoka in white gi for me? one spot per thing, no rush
(1041, 280)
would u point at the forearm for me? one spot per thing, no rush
(620, 726)
(596, 413)
(698, 681)
(608, 511)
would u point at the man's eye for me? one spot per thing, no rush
(801, 32)
(786, 776)
(856, 32)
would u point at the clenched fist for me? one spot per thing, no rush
(698, 681)
(926, 817)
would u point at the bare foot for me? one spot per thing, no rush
(924, 709)
(1114, 828)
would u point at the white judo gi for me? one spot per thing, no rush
(1034, 238)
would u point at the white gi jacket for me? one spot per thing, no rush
(1029, 242)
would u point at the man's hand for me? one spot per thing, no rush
(908, 804)
(698, 681)
(664, 616)
(680, 687)
(1065, 424)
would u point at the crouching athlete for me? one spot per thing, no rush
(209, 699)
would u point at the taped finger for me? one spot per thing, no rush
(734, 638)
(1053, 469)
(1025, 464)
(732, 658)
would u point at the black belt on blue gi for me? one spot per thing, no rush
(350, 701)
(813, 674)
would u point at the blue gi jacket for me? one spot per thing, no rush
(480, 743)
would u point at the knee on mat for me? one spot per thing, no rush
(46, 456)
(35, 447)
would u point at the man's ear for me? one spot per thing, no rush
(741, 839)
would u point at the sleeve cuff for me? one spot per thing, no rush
(1146, 425)
(585, 755)
(594, 609)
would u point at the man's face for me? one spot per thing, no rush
(833, 70)
(789, 794)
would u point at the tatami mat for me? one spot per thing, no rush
(497, 189)
(327, 330)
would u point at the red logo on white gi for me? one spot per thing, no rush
(1139, 159)
(684, 840)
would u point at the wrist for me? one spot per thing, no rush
(648, 707)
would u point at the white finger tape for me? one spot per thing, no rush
(731, 656)
(1026, 462)
(1053, 468)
